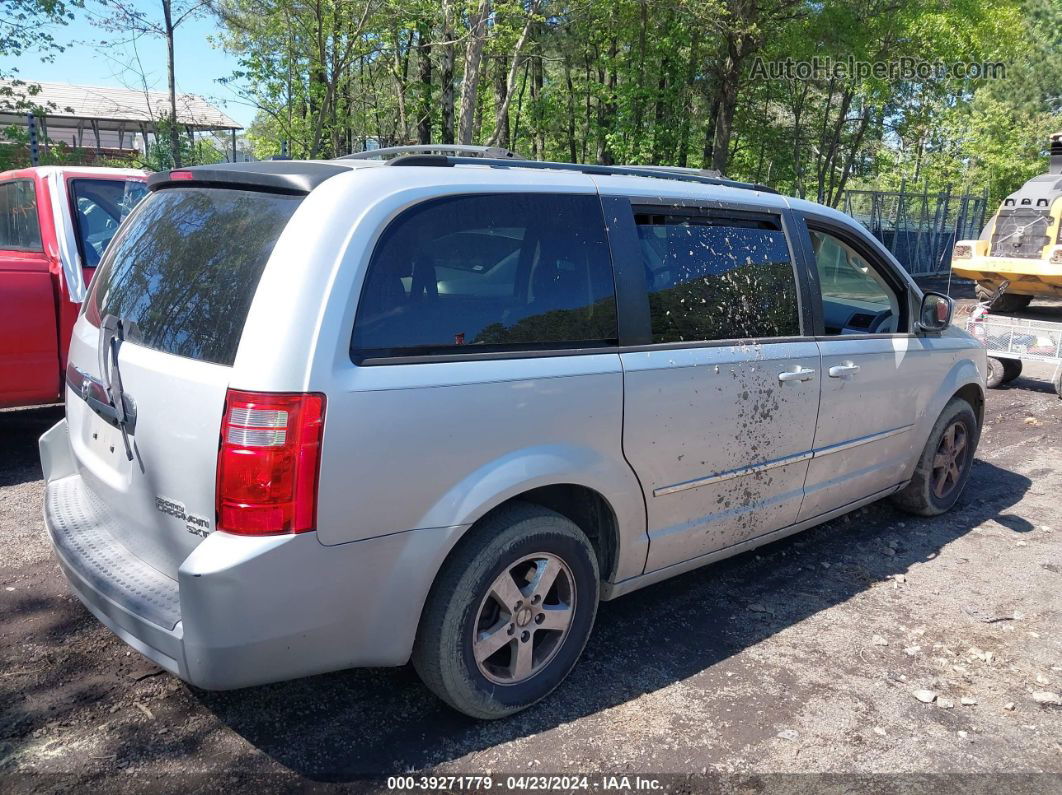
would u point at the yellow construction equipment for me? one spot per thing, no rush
(1022, 243)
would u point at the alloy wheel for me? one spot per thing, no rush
(949, 460)
(524, 618)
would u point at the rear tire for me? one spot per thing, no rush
(1011, 369)
(495, 636)
(1008, 302)
(944, 465)
(1002, 371)
(996, 373)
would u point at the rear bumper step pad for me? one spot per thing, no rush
(80, 528)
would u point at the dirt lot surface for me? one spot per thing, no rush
(806, 656)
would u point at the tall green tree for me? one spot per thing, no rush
(666, 81)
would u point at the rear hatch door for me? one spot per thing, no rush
(161, 326)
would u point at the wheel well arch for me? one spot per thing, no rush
(586, 507)
(973, 395)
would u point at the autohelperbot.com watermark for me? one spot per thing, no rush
(827, 67)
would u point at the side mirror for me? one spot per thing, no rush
(935, 313)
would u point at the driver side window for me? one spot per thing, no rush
(855, 298)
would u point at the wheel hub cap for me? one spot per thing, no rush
(524, 618)
(949, 460)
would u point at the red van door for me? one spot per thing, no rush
(29, 345)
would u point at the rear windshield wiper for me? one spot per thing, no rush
(112, 334)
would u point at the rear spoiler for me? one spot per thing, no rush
(292, 177)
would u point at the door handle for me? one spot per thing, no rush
(796, 374)
(841, 370)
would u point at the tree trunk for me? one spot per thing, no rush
(502, 97)
(829, 159)
(846, 170)
(175, 143)
(520, 103)
(762, 154)
(537, 84)
(639, 86)
(588, 122)
(446, 98)
(606, 109)
(398, 72)
(708, 154)
(798, 148)
(473, 59)
(501, 112)
(477, 116)
(687, 109)
(820, 150)
(729, 81)
(572, 154)
(659, 133)
(424, 72)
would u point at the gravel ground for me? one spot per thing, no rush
(806, 656)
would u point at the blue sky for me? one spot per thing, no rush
(199, 63)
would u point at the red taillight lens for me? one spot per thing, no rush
(268, 463)
(182, 175)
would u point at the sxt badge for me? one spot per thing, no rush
(196, 525)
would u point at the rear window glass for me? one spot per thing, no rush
(19, 230)
(717, 278)
(181, 274)
(100, 205)
(489, 273)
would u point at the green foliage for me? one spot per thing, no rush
(159, 155)
(668, 82)
(15, 153)
(25, 25)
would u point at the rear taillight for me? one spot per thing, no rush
(268, 463)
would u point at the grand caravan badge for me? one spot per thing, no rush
(196, 525)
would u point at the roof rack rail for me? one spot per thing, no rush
(494, 152)
(704, 172)
(659, 172)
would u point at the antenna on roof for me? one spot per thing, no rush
(468, 150)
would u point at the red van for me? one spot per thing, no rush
(55, 223)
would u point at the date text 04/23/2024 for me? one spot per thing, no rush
(524, 783)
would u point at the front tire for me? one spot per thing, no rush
(944, 465)
(509, 614)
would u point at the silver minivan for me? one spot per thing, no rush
(434, 408)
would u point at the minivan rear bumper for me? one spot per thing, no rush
(243, 611)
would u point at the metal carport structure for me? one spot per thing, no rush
(111, 116)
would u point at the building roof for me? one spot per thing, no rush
(67, 105)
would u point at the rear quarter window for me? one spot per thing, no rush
(19, 227)
(182, 272)
(486, 273)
